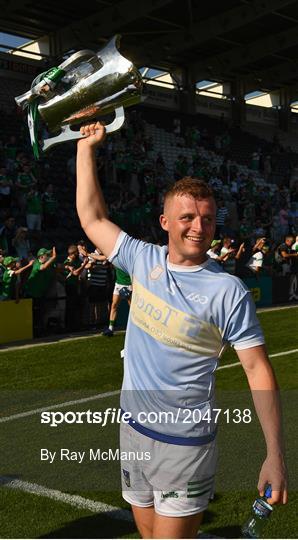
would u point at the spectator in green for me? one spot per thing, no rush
(25, 183)
(73, 268)
(38, 285)
(9, 279)
(42, 273)
(34, 210)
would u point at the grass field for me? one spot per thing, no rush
(40, 500)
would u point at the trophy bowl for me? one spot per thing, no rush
(87, 85)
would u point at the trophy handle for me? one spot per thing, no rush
(67, 134)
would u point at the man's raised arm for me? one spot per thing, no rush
(91, 206)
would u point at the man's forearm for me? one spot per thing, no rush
(268, 406)
(90, 202)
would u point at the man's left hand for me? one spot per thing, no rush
(274, 472)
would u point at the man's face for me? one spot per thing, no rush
(289, 241)
(72, 255)
(43, 258)
(190, 224)
(227, 242)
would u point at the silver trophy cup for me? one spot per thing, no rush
(87, 85)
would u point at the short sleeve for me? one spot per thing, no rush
(243, 329)
(125, 252)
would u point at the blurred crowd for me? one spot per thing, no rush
(256, 222)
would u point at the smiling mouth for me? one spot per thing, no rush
(195, 239)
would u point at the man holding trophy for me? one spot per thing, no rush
(174, 338)
(172, 349)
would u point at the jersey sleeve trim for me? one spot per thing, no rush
(119, 241)
(248, 344)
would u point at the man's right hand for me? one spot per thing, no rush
(94, 135)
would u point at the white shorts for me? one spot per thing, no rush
(118, 288)
(176, 480)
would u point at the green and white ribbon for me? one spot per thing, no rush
(51, 78)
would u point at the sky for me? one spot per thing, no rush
(11, 41)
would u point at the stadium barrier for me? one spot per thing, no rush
(268, 291)
(285, 289)
(261, 289)
(16, 321)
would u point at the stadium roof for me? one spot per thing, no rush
(256, 41)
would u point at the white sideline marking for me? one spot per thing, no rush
(106, 394)
(74, 500)
(276, 308)
(58, 405)
(77, 501)
(270, 356)
(54, 342)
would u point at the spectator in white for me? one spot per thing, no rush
(230, 254)
(294, 247)
(21, 243)
(256, 261)
(214, 249)
(214, 252)
(222, 214)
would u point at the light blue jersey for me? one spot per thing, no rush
(181, 318)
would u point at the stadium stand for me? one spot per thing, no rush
(136, 166)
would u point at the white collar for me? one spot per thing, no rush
(182, 268)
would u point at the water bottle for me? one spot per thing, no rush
(253, 527)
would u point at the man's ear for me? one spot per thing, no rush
(164, 222)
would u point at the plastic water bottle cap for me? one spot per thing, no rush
(268, 492)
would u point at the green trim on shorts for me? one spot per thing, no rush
(198, 494)
(200, 482)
